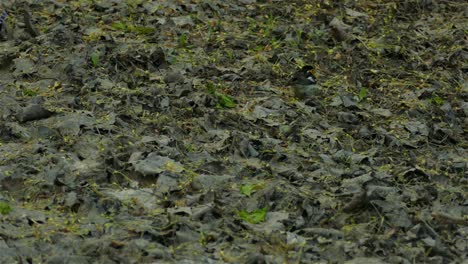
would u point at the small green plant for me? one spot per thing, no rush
(249, 189)
(230, 54)
(119, 26)
(270, 24)
(275, 44)
(140, 30)
(253, 217)
(224, 101)
(4, 208)
(437, 100)
(183, 40)
(30, 92)
(95, 59)
(362, 93)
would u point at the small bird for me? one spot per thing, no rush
(305, 84)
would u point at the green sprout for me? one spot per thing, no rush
(224, 101)
(4, 208)
(254, 217)
(362, 93)
(95, 59)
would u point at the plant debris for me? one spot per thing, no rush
(176, 132)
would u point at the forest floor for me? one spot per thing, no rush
(168, 132)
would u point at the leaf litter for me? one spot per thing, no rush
(162, 131)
